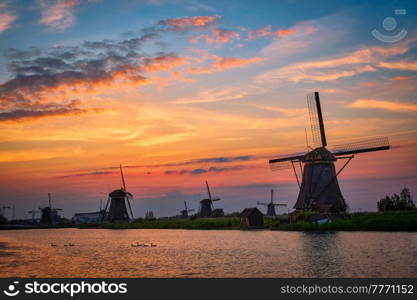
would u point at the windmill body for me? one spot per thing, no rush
(119, 200)
(319, 188)
(185, 211)
(206, 205)
(49, 215)
(270, 212)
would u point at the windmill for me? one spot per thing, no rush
(271, 205)
(117, 211)
(49, 215)
(206, 205)
(319, 188)
(185, 211)
(3, 210)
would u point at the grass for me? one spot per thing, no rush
(381, 221)
(371, 221)
(206, 223)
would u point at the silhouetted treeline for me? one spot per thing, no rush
(397, 202)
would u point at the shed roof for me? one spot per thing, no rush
(249, 211)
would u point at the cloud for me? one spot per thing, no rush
(188, 23)
(58, 15)
(19, 115)
(224, 63)
(213, 95)
(199, 171)
(6, 20)
(285, 32)
(383, 104)
(399, 78)
(359, 61)
(260, 33)
(162, 62)
(220, 36)
(399, 65)
(96, 173)
(281, 33)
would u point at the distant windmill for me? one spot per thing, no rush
(206, 205)
(185, 211)
(34, 213)
(49, 215)
(3, 210)
(319, 188)
(117, 211)
(271, 205)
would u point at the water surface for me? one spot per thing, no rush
(206, 253)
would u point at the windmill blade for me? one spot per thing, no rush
(261, 203)
(369, 145)
(123, 178)
(190, 210)
(316, 119)
(208, 190)
(285, 161)
(215, 199)
(279, 204)
(128, 204)
(185, 204)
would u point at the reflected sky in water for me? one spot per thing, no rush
(206, 253)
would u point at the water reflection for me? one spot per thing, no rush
(321, 255)
(206, 253)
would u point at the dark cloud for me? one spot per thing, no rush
(97, 173)
(206, 170)
(41, 111)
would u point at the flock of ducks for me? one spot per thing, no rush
(65, 245)
(132, 245)
(143, 245)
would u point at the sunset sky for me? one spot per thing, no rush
(180, 92)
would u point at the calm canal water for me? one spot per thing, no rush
(206, 253)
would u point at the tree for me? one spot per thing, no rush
(397, 202)
(218, 212)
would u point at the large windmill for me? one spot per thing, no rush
(185, 211)
(206, 205)
(49, 214)
(271, 205)
(319, 188)
(117, 211)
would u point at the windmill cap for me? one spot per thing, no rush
(319, 154)
(118, 193)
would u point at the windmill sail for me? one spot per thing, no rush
(369, 145)
(316, 119)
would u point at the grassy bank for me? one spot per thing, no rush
(209, 223)
(387, 221)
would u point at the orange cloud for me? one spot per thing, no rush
(163, 63)
(259, 33)
(285, 32)
(399, 65)
(369, 84)
(398, 78)
(383, 104)
(6, 20)
(59, 15)
(223, 63)
(182, 24)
